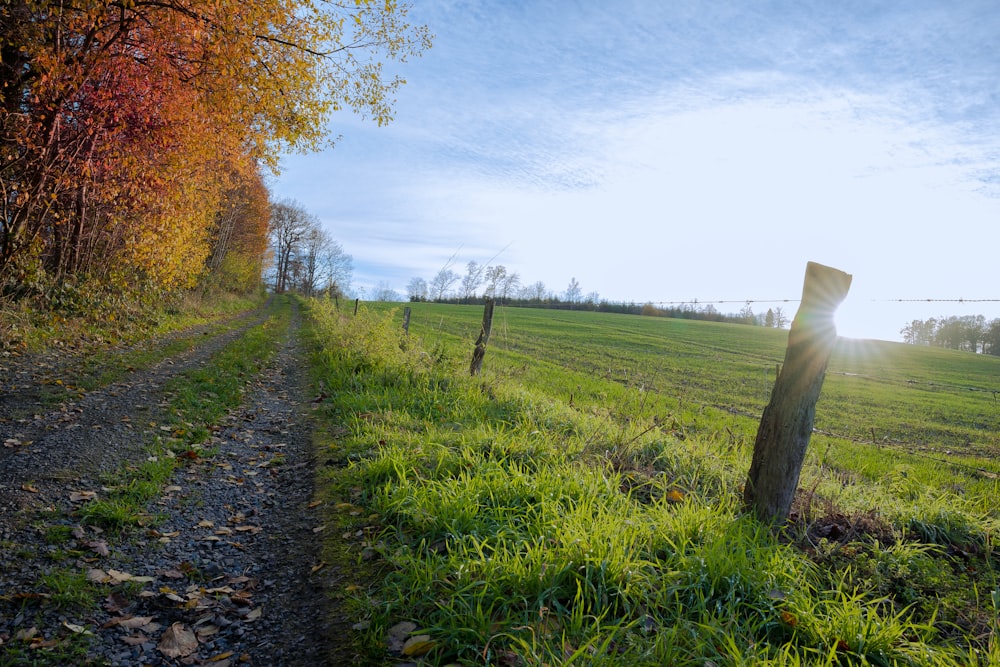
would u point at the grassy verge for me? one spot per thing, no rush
(86, 322)
(197, 400)
(545, 515)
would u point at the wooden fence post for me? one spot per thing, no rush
(484, 338)
(787, 422)
(406, 320)
(356, 302)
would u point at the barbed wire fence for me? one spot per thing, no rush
(700, 302)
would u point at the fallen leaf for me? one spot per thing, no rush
(207, 630)
(173, 489)
(99, 546)
(76, 629)
(135, 640)
(177, 642)
(249, 529)
(789, 618)
(80, 496)
(134, 622)
(316, 568)
(221, 656)
(418, 645)
(27, 634)
(156, 533)
(172, 574)
(314, 504)
(96, 576)
(29, 488)
(675, 496)
(205, 523)
(120, 577)
(254, 614)
(115, 602)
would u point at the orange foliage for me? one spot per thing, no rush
(131, 132)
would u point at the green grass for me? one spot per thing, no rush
(580, 502)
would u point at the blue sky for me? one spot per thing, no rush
(672, 151)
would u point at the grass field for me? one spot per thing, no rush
(579, 503)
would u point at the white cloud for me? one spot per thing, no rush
(680, 151)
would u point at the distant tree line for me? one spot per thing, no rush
(306, 259)
(481, 282)
(971, 333)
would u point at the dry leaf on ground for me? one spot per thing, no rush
(178, 642)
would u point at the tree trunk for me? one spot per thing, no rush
(787, 422)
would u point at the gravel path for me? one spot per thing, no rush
(230, 574)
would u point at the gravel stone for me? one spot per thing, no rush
(231, 553)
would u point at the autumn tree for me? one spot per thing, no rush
(306, 258)
(125, 128)
(240, 236)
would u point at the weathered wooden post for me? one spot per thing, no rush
(787, 422)
(406, 320)
(484, 338)
(356, 302)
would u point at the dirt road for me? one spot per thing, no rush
(225, 567)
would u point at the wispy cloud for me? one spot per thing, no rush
(665, 150)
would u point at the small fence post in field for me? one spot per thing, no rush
(406, 320)
(356, 302)
(484, 338)
(787, 422)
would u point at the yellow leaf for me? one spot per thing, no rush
(418, 645)
(675, 496)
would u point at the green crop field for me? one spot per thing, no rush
(579, 502)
